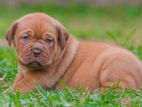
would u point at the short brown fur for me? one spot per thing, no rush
(90, 65)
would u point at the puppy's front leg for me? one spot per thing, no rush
(19, 77)
(26, 84)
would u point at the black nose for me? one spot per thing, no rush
(36, 51)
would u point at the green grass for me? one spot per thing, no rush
(121, 25)
(83, 21)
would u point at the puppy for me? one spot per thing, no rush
(49, 56)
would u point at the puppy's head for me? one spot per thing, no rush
(38, 39)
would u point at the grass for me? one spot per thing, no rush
(121, 25)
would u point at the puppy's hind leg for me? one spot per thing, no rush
(121, 69)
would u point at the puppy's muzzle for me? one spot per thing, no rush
(37, 50)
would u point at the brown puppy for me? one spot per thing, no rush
(47, 53)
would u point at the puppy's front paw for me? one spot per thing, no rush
(24, 86)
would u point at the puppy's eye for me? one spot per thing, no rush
(25, 37)
(50, 41)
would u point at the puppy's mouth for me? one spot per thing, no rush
(35, 64)
(31, 64)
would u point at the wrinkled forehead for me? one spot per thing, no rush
(37, 25)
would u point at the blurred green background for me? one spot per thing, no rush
(118, 22)
(104, 21)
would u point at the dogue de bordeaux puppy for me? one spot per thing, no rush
(51, 57)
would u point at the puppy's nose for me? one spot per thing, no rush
(36, 50)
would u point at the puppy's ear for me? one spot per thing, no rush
(62, 36)
(11, 33)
